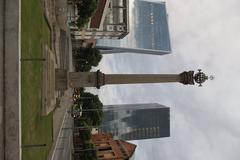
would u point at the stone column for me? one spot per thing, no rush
(185, 78)
(141, 78)
(98, 79)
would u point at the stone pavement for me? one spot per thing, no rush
(56, 15)
(55, 12)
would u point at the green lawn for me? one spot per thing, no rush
(35, 128)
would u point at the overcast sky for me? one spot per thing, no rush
(204, 121)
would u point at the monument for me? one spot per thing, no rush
(98, 79)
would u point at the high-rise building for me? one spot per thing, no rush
(136, 121)
(149, 32)
(151, 25)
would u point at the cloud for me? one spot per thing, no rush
(204, 121)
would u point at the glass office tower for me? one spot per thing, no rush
(151, 25)
(136, 121)
(149, 30)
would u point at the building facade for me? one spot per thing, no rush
(151, 25)
(108, 148)
(111, 20)
(136, 121)
(104, 148)
(112, 50)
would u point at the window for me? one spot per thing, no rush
(106, 148)
(110, 5)
(109, 155)
(120, 28)
(104, 145)
(110, 28)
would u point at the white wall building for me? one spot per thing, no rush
(111, 20)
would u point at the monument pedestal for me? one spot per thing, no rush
(61, 80)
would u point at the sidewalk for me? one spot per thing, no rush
(58, 117)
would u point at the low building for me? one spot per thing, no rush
(86, 43)
(108, 148)
(111, 20)
(105, 148)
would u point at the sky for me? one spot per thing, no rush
(204, 120)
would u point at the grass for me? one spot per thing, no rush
(35, 128)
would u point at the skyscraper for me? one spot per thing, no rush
(151, 25)
(149, 31)
(136, 121)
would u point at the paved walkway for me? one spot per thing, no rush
(58, 122)
(63, 145)
(55, 12)
(56, 15)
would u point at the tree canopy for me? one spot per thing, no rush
(85, 10)
(90, 153)
(85, 132)
(86, 58)
(95, 107)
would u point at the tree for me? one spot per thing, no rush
(79, 67)
(93, 56)
(93, 109)
(86, 9)
(78, 91)
(90, 152)
(85, 132)
(86, 58)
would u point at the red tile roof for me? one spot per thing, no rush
(130, 147)
(96, 19)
